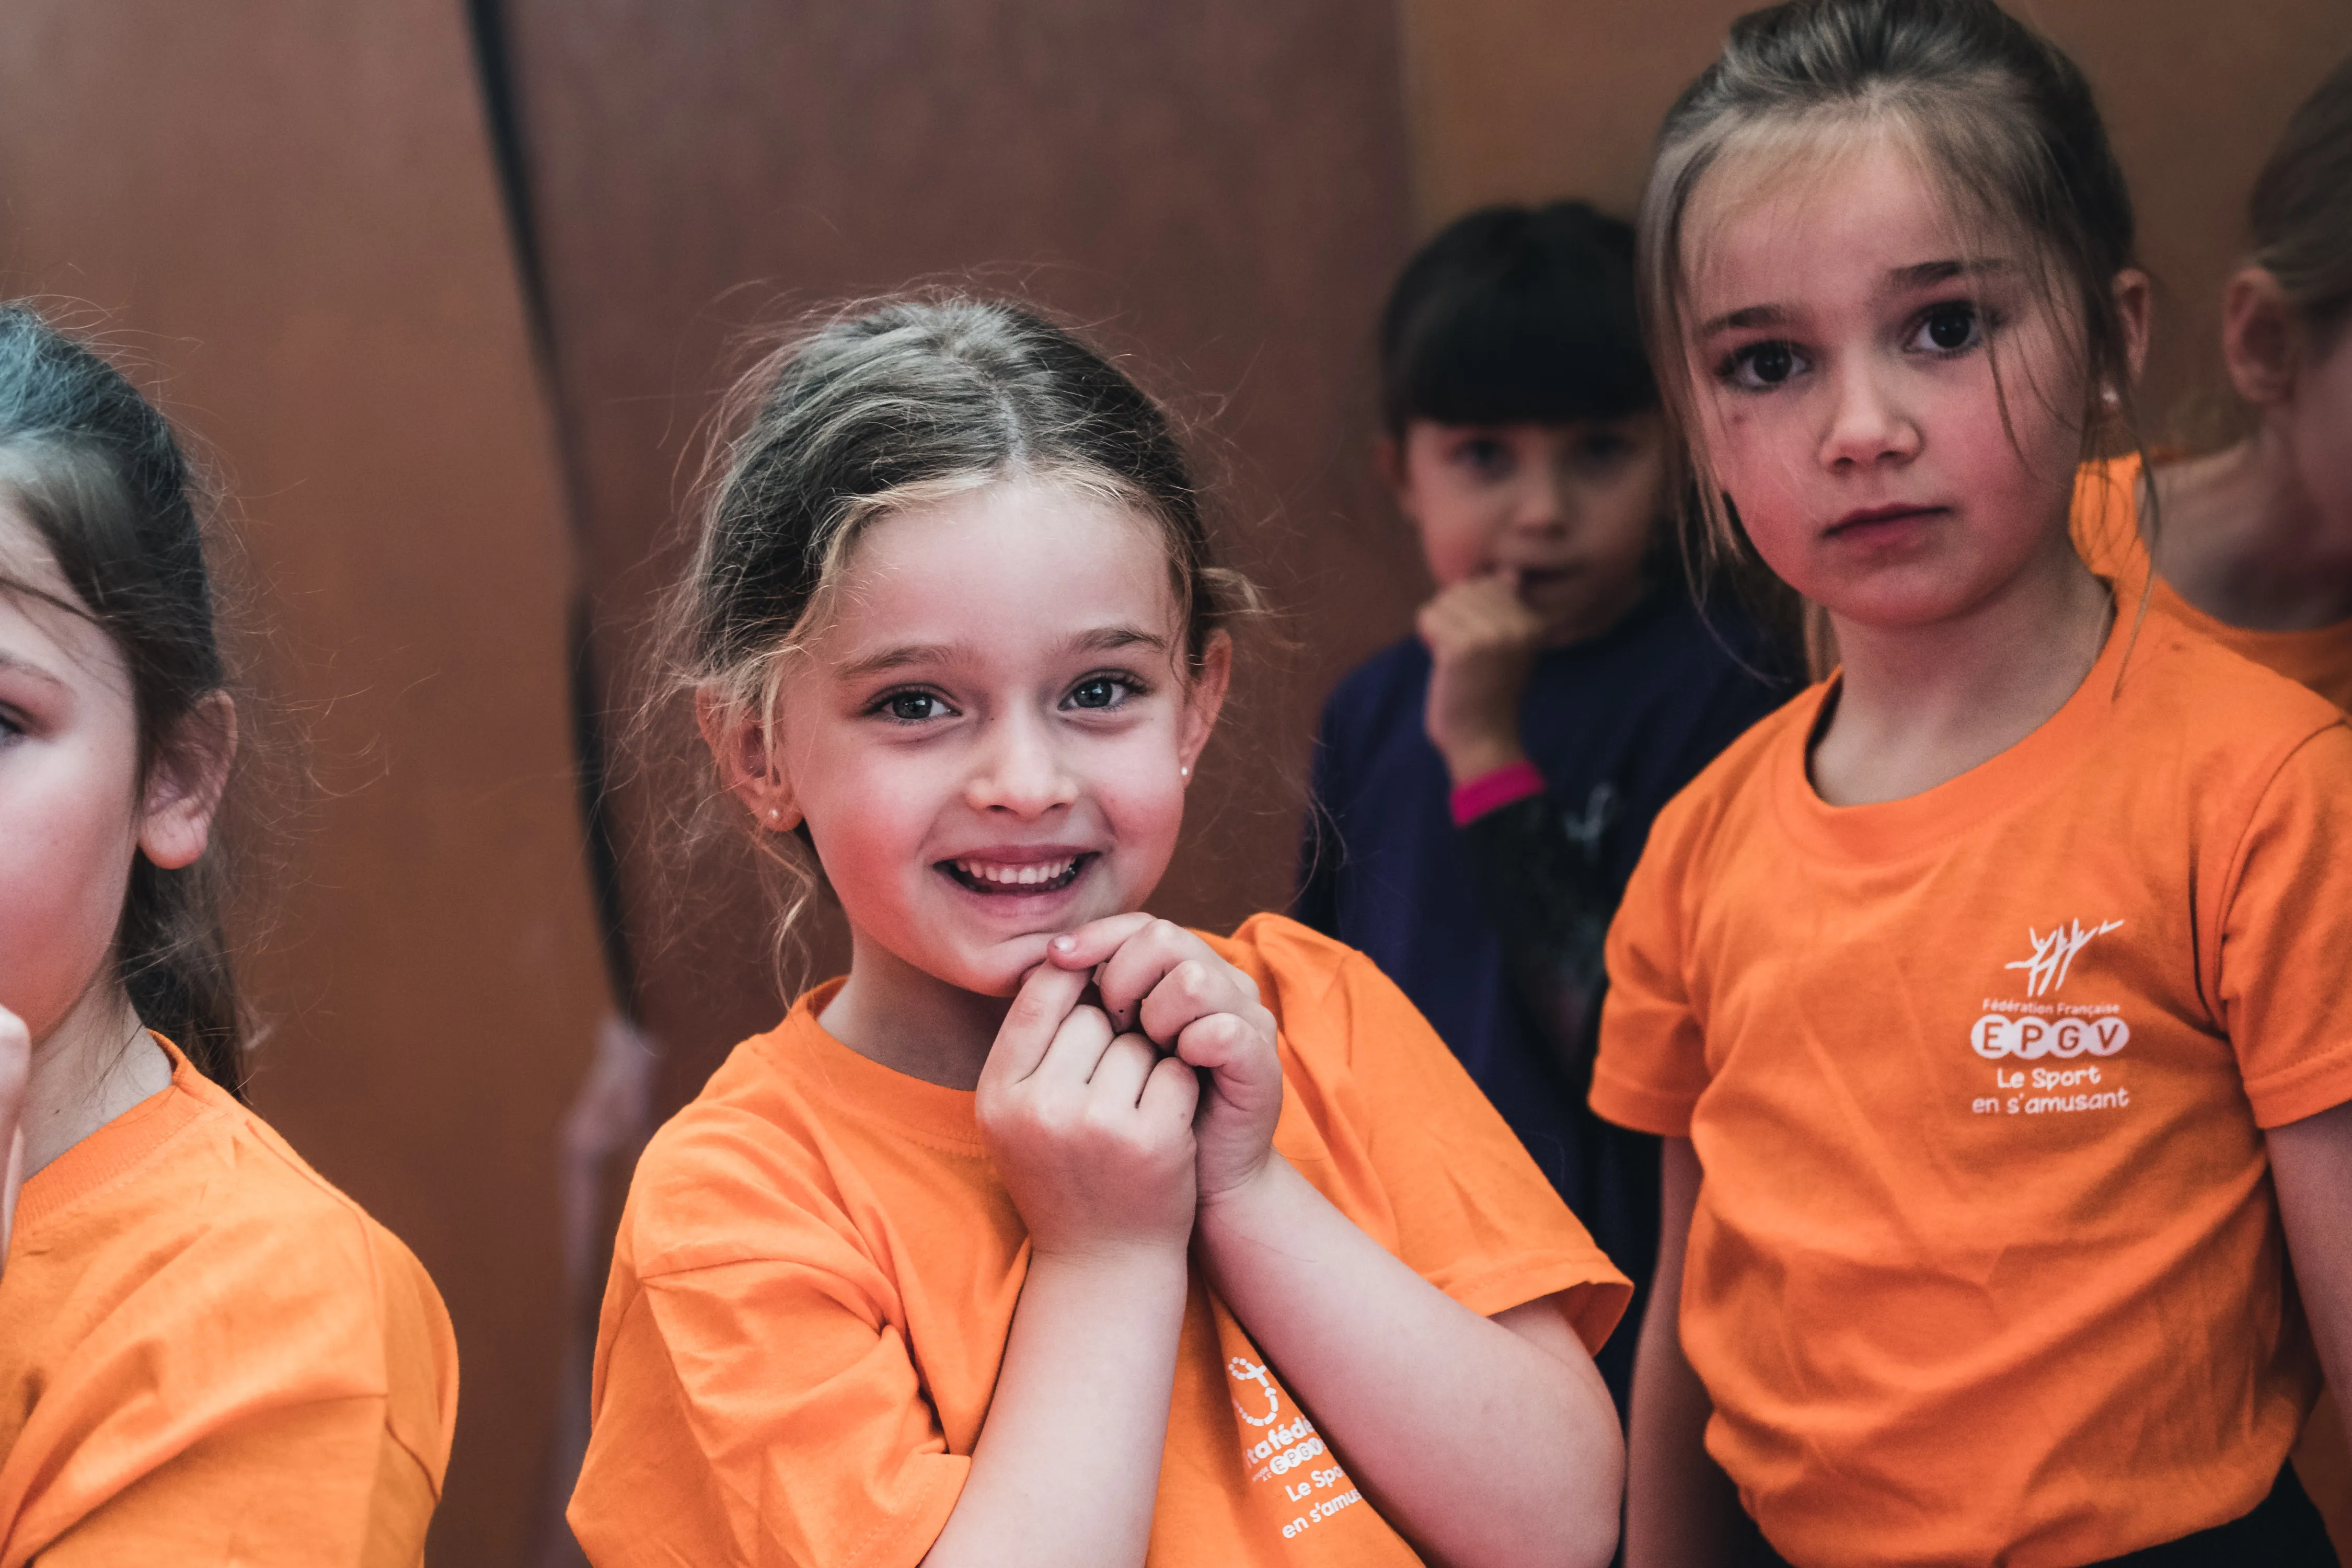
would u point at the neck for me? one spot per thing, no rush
(912, 1022)
(2239, 536)
(1920, 705)
(92, 1066)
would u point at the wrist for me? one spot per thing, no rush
(1249, 1207)
(1476, 795)
(1471, 758)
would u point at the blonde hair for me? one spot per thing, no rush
(886, 405)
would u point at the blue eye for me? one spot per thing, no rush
(1100, 691)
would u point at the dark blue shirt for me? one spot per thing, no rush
(1616, 726)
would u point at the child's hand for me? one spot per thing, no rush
(1091, 1130)
(1482, 643)
(15, 1073)
(1158, 977)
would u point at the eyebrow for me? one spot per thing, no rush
(1102, 639)
(9, 661)
(1901, 280)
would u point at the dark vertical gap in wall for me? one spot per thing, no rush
(591, 740)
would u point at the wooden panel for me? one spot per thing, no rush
(1222, 184)
(1524, 99)
(290, 210)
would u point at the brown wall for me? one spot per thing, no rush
(288, 209)
(1512, 99)
(1220, 184)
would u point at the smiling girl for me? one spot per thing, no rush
(1053, 1233)
(207, 1354)
(1987, 996)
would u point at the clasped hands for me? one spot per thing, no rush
(1115, 1125)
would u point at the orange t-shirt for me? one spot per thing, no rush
(209, 1355)
(817, 1269)
(2107, 536)
(1986, 1265)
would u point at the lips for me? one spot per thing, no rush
(1878, 516)
(1004, 877)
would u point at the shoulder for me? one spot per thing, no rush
(743, 1172)
(2229, 723)
(236, 1278)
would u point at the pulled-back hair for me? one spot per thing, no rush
(2001, 122)
(881, 407)
(1515, 315)
(96, 472)
(2302, 209)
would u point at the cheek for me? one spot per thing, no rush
(65, 860)
(1457, 527)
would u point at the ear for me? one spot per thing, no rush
(1206, 698)
(184, 792)
(750, 767)
(2135, 304)
(2259, 337)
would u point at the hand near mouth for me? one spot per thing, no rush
(1163, 981)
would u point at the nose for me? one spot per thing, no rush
(1019, 769)
(1543, 501)
(1867, 424)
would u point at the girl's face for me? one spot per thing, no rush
(1842, 351)
(1568, 510)
(991, 739)
(71, 811)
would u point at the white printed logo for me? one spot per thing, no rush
(2054, 955)
(2029, 1039)
(1245, 1371)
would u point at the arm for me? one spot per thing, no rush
(1483, 1441)
(1680, 1507)
(1091, 1133)
(2311, 1165)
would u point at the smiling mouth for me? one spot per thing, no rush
(1001, 877)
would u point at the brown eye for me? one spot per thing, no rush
(1950, 328)
(912, 707)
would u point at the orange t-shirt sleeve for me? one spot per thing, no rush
(286, 1400)
(1651, 1065)
(772, 1417)
(2285, 934)
(1473, 1215)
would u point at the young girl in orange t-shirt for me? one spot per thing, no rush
(2255, 550)
(1054, 1233)
(207, 1354)
(1988, 995)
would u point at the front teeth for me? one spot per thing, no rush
(1016, 875)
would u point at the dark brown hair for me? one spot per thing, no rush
(2302, 209)
(97, 473)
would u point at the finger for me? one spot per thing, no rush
(1173, 1092)
(1044, 999)
(1096, 941)
(1141, 964)
(1127, 1062)
(1224, 1046)
(1077, 1049)
(1190, 991)
(11, 1184)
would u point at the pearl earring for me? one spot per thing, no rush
(1185, 772)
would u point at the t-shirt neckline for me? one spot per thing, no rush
(858, 1084)
(114, 1148)
(1888, 830)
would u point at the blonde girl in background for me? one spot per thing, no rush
(1052, 1233)
(2255, 550)
(1987, 996)
(207, 1354)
